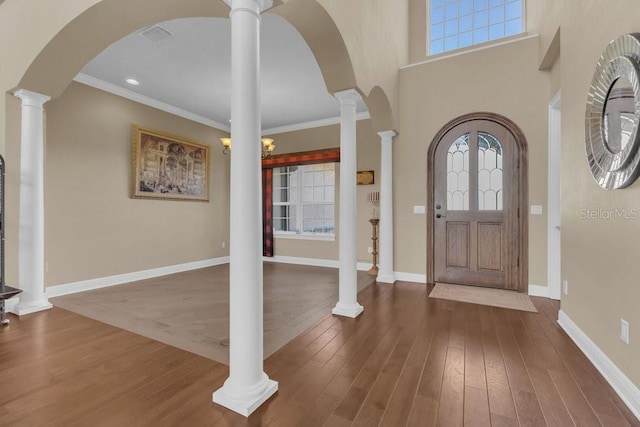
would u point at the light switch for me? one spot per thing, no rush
(418, 210)
(536, 209)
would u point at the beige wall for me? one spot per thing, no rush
(375, 36)
(92, 228)
(599, 257)
(368, 158)
(504, 80)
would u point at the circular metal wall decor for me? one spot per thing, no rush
(613, 114)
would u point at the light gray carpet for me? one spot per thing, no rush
(190, 310)
(483, 296)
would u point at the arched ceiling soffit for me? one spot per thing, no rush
(97, 28)
(320, 32)
(380, 110)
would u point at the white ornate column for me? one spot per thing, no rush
(247, 386)
(385, 263)
(31, 219)
(348, 252)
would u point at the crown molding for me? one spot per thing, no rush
(134, 96)
(312, 124)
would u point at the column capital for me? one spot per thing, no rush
(31, 98)
(256, 6)
(349, 96)
(387, 135)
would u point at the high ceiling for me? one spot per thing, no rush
(185, 63)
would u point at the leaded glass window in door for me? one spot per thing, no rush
(458, 174)
(475, 160)
(489, 173)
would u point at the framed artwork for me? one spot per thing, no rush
(364, 178)
(169, 167)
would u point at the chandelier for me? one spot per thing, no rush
(267, 146)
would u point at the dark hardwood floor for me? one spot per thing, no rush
(407, 360)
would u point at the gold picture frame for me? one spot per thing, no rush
(365, 178)
(168, 167)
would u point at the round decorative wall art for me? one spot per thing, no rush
(613, 114)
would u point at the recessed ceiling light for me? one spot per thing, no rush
(133, 82)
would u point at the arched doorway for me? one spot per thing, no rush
(476, 203)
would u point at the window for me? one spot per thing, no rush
(455, 24)
(489, 173)
(304, 200)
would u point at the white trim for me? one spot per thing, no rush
(410, 277)
(134, 96)
(554, 216)
(362, 266)
(303, 236)
(10, 304)
(312, 124)
(538, 291)
(142, 99)
(476, 48)
(314, 262)
(103, 282)
(628, 392)
(389, 279)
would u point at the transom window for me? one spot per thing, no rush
(455, 24)
(304, 200)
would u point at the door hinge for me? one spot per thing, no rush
(518, 212)
(518, 262)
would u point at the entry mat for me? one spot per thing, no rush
(483, 296)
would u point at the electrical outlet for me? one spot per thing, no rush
(624, 331)
(565, 287)
(370, 250)
(223, 245)
(46, 266)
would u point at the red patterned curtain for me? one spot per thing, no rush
(267, 212)
(278, 161)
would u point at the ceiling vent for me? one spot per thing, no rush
(156, 33)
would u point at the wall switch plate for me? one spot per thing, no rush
(565, 287)
(419, 210)
(536, 209)
(223, 245)
(624, 331)
(370, 250)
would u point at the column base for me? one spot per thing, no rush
(32, 307)
(347, 310)
(384, 277)
(244, 402)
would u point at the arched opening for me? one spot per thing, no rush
(476, 203)
(57, 65)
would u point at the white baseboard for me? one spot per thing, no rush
(628, 392)
(10, 304)
(314, 262)
(411, 277)
(103, 282)
(362, 266)
(538, 291)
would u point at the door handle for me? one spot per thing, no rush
(440, 216)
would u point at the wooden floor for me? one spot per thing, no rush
(190, 310)
(407, 360)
